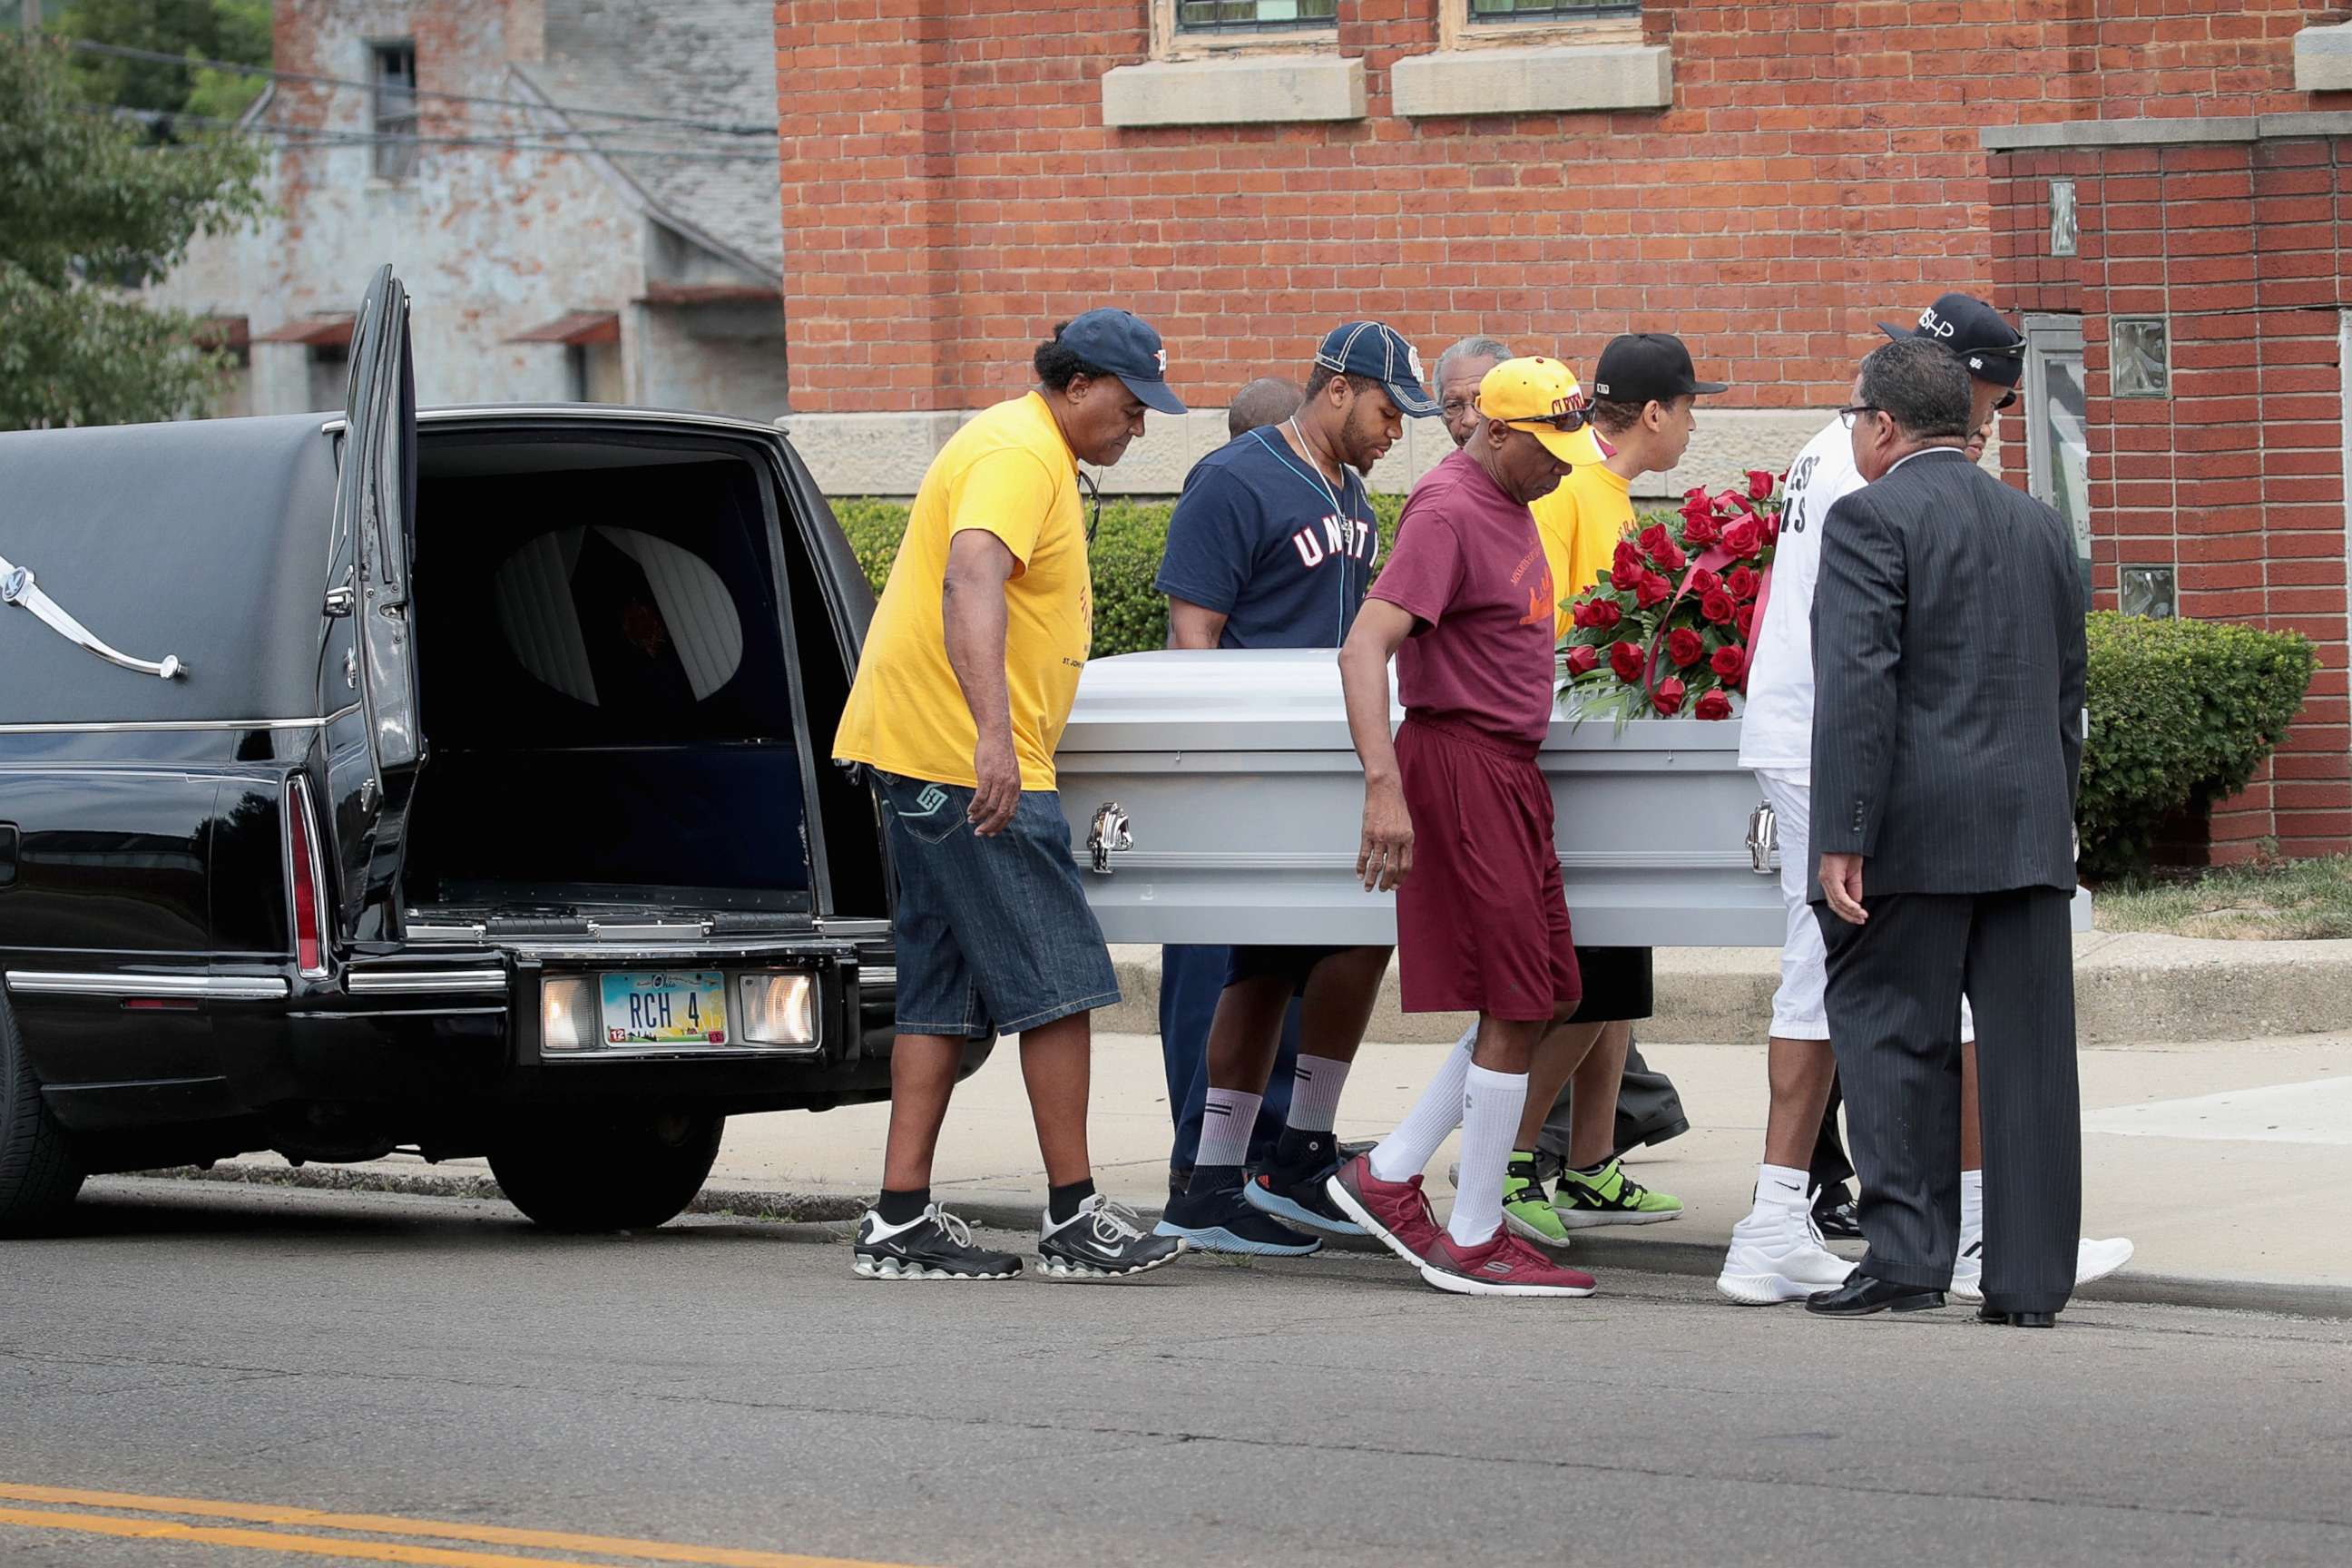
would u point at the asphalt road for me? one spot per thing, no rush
(214, 1358)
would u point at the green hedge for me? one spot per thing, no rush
(2182, 712)
(1128, 617)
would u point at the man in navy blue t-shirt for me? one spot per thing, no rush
(1272, 544)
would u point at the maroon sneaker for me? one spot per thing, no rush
(1503, 1267)
(1396, 1212)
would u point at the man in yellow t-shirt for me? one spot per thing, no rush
(1643, 394)
(963, 686)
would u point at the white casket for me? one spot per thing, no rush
(1244, 802)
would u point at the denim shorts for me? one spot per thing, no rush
(992, 933)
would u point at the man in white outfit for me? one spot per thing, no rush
(1777, 1254)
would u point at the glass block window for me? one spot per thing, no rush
(2140, 357)
(2064, 227)
(1550, 10)
(1255, 16)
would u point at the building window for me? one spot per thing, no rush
(330, 378)
(393, 69)
(1256, 16)
(2057, 425)
(2139, 356)
(2063, 224)
(1493, 11)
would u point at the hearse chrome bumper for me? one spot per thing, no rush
(186, 985)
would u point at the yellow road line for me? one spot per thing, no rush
(377, 1524)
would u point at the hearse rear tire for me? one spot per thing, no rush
(619, 1172)
(39, 1176)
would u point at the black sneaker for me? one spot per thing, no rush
(1102, 1241)
(1219, 1221)
(937, 1245)
(1836, 1214)
(1302, 1198)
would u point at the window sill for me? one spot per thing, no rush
(2323, 59)
(1237, 89)
(1560, 79)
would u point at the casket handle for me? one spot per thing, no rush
(1763, 835)
(1108, 835)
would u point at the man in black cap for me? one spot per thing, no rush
(1272, 544)
(1776, 1253)
(965, 683)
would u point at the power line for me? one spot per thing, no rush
(298, 136)
(158, 57)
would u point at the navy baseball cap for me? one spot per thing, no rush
(1992, 349)
(1125, 345)
(1369, 349)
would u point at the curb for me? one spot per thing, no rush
(997, 1211)
(2130, 988)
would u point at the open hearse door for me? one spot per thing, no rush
(373, 752)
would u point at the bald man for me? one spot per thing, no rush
(1268, 400)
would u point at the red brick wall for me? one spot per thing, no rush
(949, 190)
(2236, 481)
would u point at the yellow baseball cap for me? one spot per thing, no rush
(1541, 396)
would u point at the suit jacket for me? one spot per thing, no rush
(1949, 655)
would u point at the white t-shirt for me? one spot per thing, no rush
(1777, 725)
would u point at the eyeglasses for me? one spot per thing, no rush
(1846, 416)
(1094, 496)
(1569, 422)
(1456, 408)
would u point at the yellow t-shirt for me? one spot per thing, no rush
(1581, 522)
(1008, 473)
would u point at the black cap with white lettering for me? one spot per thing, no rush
(1992, 349)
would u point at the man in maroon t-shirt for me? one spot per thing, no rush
(1466, 608)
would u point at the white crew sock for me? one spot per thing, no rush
(1438, 1111)
(1491, 1104)
(1315, 1087)
(1971, 1206)
(1782, 1187)
(1227, 1115)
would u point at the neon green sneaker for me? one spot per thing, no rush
(1526, 1208)
(1613, 1197)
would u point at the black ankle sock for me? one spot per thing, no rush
(1215, 1179)
(899, 1208)
(1062, 1202)
(1303, 1150)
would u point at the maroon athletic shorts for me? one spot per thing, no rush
(1482, 918)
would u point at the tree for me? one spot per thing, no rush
(234, 30)
(85, 208)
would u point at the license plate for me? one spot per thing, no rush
(684, 1007)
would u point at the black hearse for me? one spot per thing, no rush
(452, 781)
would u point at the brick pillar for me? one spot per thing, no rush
(867, 165)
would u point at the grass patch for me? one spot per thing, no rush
(2292, 899)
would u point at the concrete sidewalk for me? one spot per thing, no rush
(2230, 1164)
(2131, 988)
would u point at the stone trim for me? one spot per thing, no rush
(1563, 78)
(2323, 59)
(884, 454)
(2171, 133)
(1235, 89)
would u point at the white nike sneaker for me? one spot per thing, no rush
(2092, 1261)
(1777, 1255)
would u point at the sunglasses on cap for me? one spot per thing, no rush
(1568, 423)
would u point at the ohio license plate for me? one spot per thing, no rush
(677, 1007)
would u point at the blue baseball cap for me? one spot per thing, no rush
(1369, 349)
(1124, 344)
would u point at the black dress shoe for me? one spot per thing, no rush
(2017, 1319)
(1837, 1214)
(1861, 1295)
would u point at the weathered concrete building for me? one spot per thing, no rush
(581, 195)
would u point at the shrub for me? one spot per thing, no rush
(2182, 712)
(1129, 616)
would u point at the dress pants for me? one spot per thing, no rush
(1895, 986)
(1191, 979)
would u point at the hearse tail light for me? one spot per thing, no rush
(567, 1015)
(775, 1009)
(306, 882)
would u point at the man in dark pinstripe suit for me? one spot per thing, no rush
(1947, 737)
